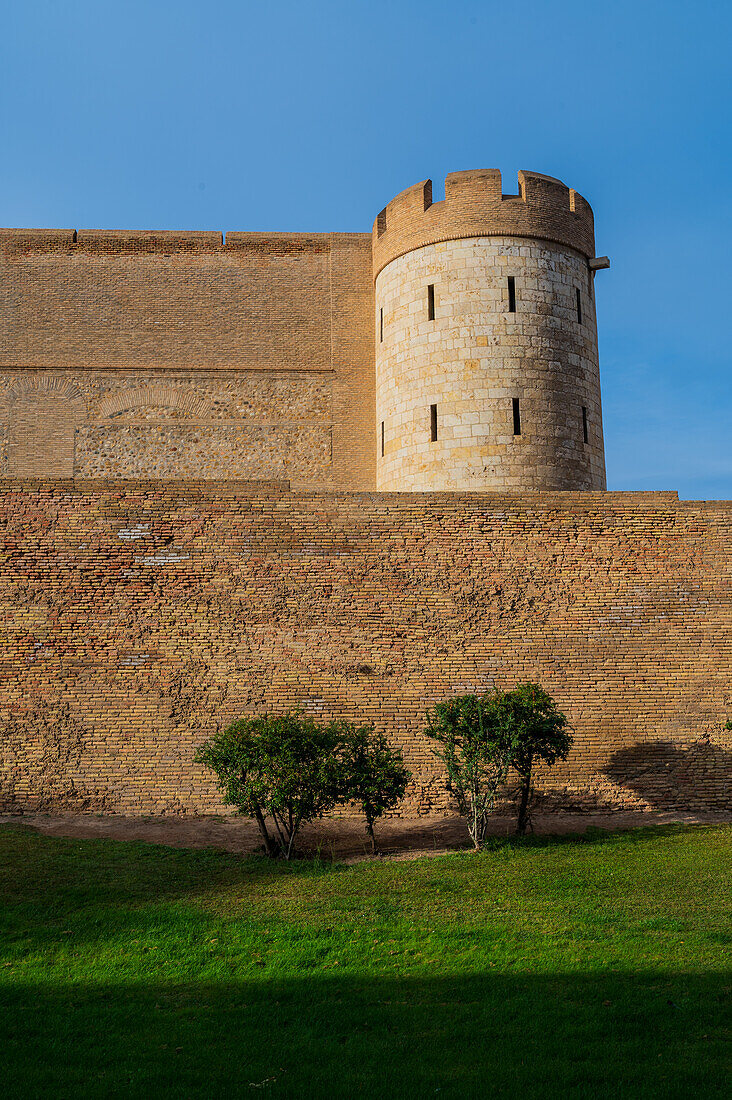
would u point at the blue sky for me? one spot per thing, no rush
(311, 115)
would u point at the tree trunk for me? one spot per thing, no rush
(370, 831)
(523, 810)
(269, 845)
(281, 831)
(473, 829)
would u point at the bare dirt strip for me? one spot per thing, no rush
(338, 838)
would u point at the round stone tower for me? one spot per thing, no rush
(487, 373)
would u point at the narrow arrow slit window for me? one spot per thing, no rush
(511, 294)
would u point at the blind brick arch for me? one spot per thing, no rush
(44, 415)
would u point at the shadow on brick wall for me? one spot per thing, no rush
(695, 777)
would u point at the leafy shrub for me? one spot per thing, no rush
(281, 766)
(537, 732)
(294, 770)
(484, 736)
(475, 753)
(373, 774)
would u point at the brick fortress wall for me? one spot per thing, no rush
(181, 355)
(138, 616)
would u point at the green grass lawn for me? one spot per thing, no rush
(590, 966)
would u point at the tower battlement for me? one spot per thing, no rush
(475, 206)
(486, 346)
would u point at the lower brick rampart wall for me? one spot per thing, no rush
(137, 616)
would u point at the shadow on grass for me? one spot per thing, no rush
(137, 870)
(562, 1035)
(62, 894)
(591, 835)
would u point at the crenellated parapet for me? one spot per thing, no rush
(475, 206)
(19, 242)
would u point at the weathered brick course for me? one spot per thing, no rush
(139, 616)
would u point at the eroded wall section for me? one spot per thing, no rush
(138, 617)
